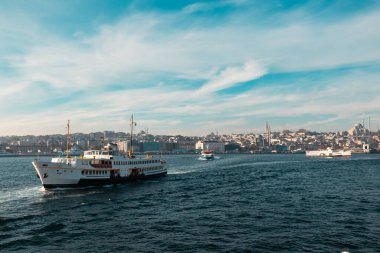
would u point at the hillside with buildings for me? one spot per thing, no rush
(358, 139)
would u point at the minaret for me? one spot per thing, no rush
(68, 140)
(369, 132)
(131, 143)
(268, 133)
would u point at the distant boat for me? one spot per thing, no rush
(298, 151)
(206, 155)
(329, 153)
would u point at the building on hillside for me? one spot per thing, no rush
(123, 146)
(216, 146)
(358, 130)
(186, 146)
(151, 146)
(27, 149)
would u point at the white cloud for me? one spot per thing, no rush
(152, 50)
(206, 6)
(232, 76)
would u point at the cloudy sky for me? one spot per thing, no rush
(188, 67)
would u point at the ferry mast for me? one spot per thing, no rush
(133, 123)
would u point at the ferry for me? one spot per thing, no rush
(206, 155)
(97, 167)
(329, 153)
(298, 151)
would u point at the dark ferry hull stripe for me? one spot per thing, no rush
(108, 181)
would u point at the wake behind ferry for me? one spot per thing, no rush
(97, 167)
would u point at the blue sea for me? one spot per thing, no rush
(238, 203)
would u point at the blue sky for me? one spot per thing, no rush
(188, 67)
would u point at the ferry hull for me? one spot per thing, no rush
(202, 158)
(108, 181)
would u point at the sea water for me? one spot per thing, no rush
(238, 203)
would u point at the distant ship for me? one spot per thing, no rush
(97, 167)
(206, 155)
(329, 153)
(298, 151)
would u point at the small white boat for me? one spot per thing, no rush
(329, 153)
(298, 151)
(206, 155)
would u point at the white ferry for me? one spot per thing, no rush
(207, 155)
(329, 153)
(97, 167)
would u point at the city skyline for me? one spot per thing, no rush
(188, 67)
